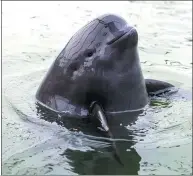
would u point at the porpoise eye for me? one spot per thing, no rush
(89, 52)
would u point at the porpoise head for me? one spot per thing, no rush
(99, 63)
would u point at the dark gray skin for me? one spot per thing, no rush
(100, 63)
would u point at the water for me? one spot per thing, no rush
(158, 142)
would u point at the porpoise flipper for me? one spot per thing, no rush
(99, 118)
(156, 87)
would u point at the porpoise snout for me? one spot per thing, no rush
(127, 36)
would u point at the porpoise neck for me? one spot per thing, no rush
(126, 90)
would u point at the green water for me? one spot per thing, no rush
(158, 142)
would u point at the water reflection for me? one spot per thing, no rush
(101, 160)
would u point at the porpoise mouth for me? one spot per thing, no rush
(121, 35)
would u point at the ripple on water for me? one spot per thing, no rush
(160, 140)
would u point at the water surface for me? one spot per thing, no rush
(158, 142)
